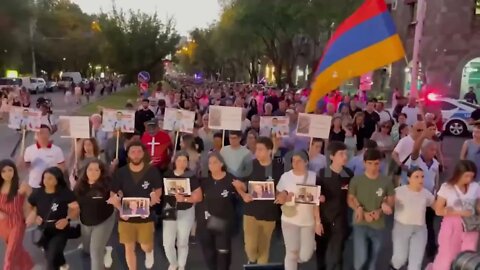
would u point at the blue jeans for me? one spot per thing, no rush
(409, 242)
(362, 237)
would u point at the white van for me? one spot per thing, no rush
(68, 78)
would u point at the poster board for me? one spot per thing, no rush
(314, 125)
(20, 117)
(122, 120)
(178, 120)
(74, 127)
(225, 118)
(274, 125)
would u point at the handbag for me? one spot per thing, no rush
(471, 223)
(38, 236)
(169, 213)
(291, 210)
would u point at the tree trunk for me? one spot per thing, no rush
(278, 73)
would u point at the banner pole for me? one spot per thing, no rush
(117, 145)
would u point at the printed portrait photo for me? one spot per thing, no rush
(260, 190)
(215, 117)
(175, 186)
(307, 194)
(63, 125)
(303, 126)
(135, 207)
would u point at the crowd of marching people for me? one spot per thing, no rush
(376, 167)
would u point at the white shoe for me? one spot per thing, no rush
(149, 260)
(64, 267)
(107, 259)
(172, 267)
(181, 268)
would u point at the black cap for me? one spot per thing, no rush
(152, 122)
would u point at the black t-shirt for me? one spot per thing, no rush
(142, 116)
(371, 121)
(353, 112)
(194, 184)
(149, 180)
(51, 207)
(218, 199)
(264, 210)
(337, 137)
(475, 115)
(335, 189)
(94, 208)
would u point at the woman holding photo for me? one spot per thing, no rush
(216, 214)
(96, 215)
(53, 205)
(12, 220)
(176, 230)
(299, 221)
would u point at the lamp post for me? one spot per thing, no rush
(420, 20)
(32, 28)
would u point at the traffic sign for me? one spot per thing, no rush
(143, 76)
(144, 86)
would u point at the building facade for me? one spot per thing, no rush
(450, 46)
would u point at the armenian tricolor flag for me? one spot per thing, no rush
(365, 41)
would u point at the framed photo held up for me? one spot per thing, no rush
(307, 194)
(135, 207)
(261, 190)
(174, 186)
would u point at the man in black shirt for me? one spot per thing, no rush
(136, 180)
(371, 118)
(143, 115)
(260, 215)
(334, 181)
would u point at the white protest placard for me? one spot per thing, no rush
(178, 120)
(24, 118)
(118, 120)
(225, 118)
(314, 125)
(77, 127)
(274, 125)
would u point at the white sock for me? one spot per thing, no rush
(107, 259)
(149, 259)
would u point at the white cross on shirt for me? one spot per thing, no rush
(152, 145)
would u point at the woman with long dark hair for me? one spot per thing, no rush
(87, 150)
(52, 206)
(12, 220)
(96, 215)
(456, 199)
(216, 214)
(177, 227)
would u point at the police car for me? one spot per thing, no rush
(456, 114)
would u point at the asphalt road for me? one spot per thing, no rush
(78, 261)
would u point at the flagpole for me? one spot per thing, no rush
(421, 14)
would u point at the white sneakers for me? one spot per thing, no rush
(64, 267)
(149, 259)
(107, 259)
(172, 267)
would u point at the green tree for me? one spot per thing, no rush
(136, 41)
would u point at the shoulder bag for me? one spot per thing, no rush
(38, 235)
(471, 223)
(291, 210)
(169, 212)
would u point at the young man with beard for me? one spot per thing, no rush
(143, 115)
(260, 215)
(334, 210)
(140, 180)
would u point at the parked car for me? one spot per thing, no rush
(37, 85)
(69, 78)
(456, 114)
(52, 86)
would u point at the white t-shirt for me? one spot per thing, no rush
(458, 200)
(41, 159)
(410, 206)
(288, 182)
(412, 115)
(245, 124)
(48, 120)
(431, 172)
(404, 148)
(384, 116)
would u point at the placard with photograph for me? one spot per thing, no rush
(314, 125)
(277, 126)
(24, 118)
(118, 120)
(225, 118)
(173, 186)
(178, 120)
(135, 207)
(261, 190)
(74, 127)
(307, 194)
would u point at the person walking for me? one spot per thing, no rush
(96, 216)
(12, 220)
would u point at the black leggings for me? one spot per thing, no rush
(55, 242)
(216, 248)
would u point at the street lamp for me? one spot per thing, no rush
(64, 59)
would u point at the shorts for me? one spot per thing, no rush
(142, 233)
